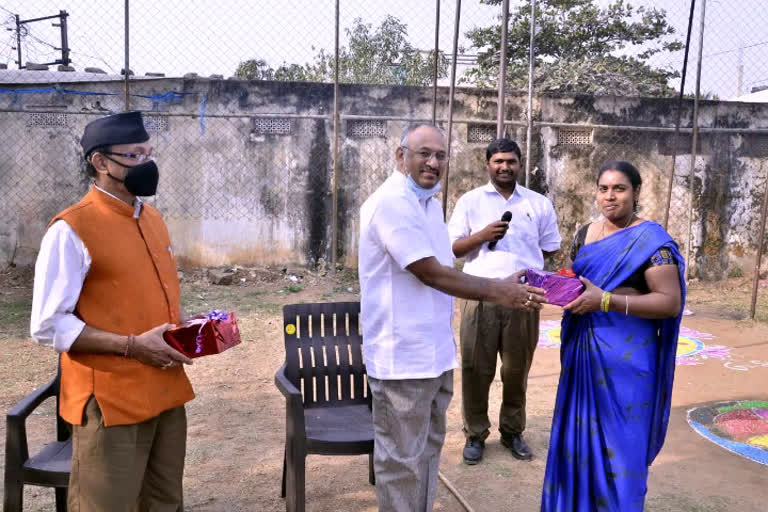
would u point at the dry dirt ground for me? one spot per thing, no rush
(236, 423)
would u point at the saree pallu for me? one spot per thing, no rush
(613, 396)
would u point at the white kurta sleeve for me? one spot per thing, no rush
(60, 270)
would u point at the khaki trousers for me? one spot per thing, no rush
(409, 425)
(128, 467)
(488, 329)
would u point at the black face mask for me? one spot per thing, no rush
(140, 180)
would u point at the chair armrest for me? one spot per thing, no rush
(286, 387)
(29, 403)
(294, 405)
(16, 448)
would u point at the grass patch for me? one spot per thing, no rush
(269, 307)
(293, 288)
(15, 312)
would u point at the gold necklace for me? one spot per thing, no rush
(602, 227)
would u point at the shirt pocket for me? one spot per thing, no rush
(524, 230)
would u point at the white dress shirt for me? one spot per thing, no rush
(60, 270)
(533, 229)
(407, 328)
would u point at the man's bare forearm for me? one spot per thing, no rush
(97, 341)
(453, 282)
(466, 245)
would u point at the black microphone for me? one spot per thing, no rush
(505, 217)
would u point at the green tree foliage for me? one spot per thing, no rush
(581, 47)
(255, 69)
(373, 56)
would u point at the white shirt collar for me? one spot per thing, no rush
(137, 202)
(489, 188)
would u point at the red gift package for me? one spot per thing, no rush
(204, 336)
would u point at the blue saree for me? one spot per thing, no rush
(613, 397)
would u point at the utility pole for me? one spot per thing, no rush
(63, 30)
(18, 39)
(62, 17)
(740, 70)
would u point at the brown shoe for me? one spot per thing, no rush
(517, 446)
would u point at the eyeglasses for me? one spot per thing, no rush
(423, 154)
(139, 157)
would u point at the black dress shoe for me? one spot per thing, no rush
(473, 451)
(517, 446)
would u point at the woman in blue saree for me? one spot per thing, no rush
(619, 340)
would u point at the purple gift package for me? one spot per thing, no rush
(560, 289)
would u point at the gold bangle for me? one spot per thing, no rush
(626, 311)
(606, 302)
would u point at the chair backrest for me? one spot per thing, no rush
(323, 353)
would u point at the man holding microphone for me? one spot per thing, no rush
(501, 227)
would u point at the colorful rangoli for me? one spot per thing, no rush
(740, 427)
(691, 349)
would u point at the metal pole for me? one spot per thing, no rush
(64, 41)
(759, 257)
(436, 55)
(18, 39)
(679, 114)
(127, 63)
(335, 218)
(695, 138)
(529, 134)
(457, 19)
(502, 69)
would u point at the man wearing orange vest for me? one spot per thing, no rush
(106, 289)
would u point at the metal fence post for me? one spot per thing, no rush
(679, 114)
(759, 256)
(450, 103)
(694, 140)
(335, 209)
(127, 106)
(529, 134)
(502, 69)
(436, 63)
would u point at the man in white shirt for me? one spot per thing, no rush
(406, 281)
(493, 248)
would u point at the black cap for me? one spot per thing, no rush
(123, 128)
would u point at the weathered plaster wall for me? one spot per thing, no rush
(232, 193)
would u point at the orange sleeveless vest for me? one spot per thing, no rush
(131, 287)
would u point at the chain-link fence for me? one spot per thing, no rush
(266, 155)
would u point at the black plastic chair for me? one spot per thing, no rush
(50, 466)
(327, 400)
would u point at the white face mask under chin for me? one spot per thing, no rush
(421, 192)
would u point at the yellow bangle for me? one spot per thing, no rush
(605, 304)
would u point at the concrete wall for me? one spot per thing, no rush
(233, 193)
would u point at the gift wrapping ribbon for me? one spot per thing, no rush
(211, 316)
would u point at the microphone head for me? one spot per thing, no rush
(506, 216)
